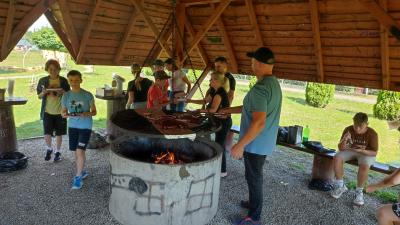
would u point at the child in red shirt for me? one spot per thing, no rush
(157, 97)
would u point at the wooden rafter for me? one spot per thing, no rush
(88, 29)
(60, 32)
(8, 28)
(204, 29)
(128, 32)
(23, 25)
(199, 81)
(385, 51)
(317, 39)
(69, 26)
(382, 16)
(188, 3)
(152, 26)
(228, 45)
(179, 34)
(254, 23)
(200, 48)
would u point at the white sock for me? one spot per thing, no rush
(57, 150)
(339, 183)
(359, 189)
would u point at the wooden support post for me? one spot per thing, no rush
(385, 51)
(88, 29)
(254, 23)
(317, 40)
(204, 29)
(69, 26)
(7, 29)
(180, 32)
(60, 32)
(198, 82)
(152, 26)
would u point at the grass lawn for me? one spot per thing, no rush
(325, 124)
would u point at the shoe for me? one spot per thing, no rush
(224, 174)
(84, 174)
(245, 221)
(77, 183)
(338, 191)
(57, 157)
(245, 204)
(48, 155)
(359, 200)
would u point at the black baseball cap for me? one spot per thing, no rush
(264, 55)
(161, 75)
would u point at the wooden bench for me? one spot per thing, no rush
(323, 162)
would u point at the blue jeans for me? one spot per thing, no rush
(254, 176)
(220, 138)
(180, 107)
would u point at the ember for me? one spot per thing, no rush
(166, 158)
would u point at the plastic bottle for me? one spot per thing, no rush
(306, 134)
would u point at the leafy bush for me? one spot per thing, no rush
(319, 95)
(252, 82)
(387, 105)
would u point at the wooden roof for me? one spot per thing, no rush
(347, 42)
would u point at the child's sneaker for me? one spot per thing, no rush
(48, 154)
(84, 174)
(57, 157)
(77, 183)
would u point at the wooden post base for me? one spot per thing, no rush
(323, 168)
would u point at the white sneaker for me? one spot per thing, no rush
(359, 200)
(338, 191)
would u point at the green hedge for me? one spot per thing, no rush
(387, 105)
(319, 95)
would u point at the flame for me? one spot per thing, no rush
(167, 158)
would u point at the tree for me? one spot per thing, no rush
(46, 39)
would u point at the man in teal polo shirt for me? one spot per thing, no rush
(258, 130)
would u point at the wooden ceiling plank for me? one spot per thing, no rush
(8, 29)
(23, 25)
(382, 16)
(200, 48)
(188, 3)
(70, 29)
(210, 22)
(152, 26)
(128, 32)
(254, 23)
(88, 29)
(60, 32)
(317, 39)
(228, 44)
(385, 51)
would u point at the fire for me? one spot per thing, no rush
(167, 158)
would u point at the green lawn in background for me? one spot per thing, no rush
(326, 124)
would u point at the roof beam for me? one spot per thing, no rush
(180, 32)
(317, 40)
(161, 40)
(199, 2)
(254, 23)
(70, 29)
(20, 29)
(198, 82)
(200, 48)
(128, 31)
(228, 45)
(8, 28)
(385, 51)
(60, 32)
(204, 29)
(382, 16)
(88, 29)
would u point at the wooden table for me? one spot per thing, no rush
(8, 136)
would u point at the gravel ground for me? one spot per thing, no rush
(41, 194)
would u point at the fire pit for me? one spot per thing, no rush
(182, 188)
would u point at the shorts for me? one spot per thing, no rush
(78, 138)
(54, 124)
(347, 155)
(396, 209)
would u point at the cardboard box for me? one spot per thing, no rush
(104, 93)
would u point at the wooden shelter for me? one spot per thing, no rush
(347, 42)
